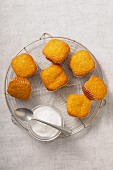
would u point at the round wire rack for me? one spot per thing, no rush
(57, 98)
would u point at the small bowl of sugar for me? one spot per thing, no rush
(42, 131)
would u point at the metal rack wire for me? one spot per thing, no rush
(58, 98)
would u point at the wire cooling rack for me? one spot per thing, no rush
(57, 98)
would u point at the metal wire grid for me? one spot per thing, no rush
(35, 49)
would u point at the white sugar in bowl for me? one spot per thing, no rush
(42, 131)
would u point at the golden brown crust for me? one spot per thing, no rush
(24, 65)
(81, 63)
(88, 94)
(54, 77)
(56, 50)
(78, 105)
(20, 88)
(95, 88)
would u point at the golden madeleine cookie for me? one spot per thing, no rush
(95, 88)
(24, 65)
(54, 77)
(81, 63)
(78, 105)
(20, 88)
(56, 50)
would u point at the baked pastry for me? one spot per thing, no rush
(24, 65)
(81, 63)
(78, 105)
(53, 77)
(95, 88)
(56, 50)
(20, 88)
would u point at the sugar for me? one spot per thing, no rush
(47, 114)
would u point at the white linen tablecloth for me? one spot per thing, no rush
(88, 22)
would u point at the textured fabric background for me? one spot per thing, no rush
(89, 22)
